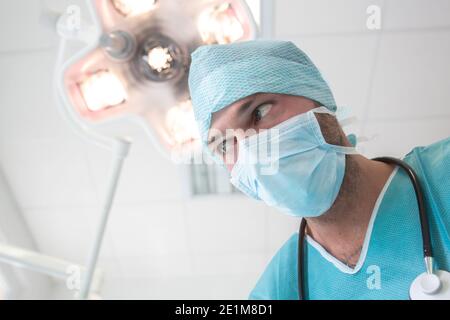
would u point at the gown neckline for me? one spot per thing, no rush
(336, 262)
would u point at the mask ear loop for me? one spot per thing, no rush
(345, 118)
(323, 109)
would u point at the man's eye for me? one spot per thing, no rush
(224, 146)
(261, 111)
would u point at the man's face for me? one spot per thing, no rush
(251, 114)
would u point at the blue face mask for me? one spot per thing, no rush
(300, 173)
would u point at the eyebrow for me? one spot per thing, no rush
(240, 109)
(245, 105)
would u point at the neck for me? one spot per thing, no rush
(342, 229)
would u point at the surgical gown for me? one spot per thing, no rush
(391, 256)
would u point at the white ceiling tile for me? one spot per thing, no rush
(110, 266)
(412, 76)
(21, 28)
(416, 14)
(293, 18)
(224, 287)
(346, 63)
(228, 263)
(146, 175)
(199, 287)
(225, 224)
(150, 230)
(61, 232)
(46, 173)
(396, 137)
(156, 267)
(61, 5)
(26, 96)
(129, 288)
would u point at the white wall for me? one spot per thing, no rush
(159, 244)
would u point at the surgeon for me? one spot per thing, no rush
(363, 234)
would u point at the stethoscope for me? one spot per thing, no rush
(432, 284)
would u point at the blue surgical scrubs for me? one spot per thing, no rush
(391, 257)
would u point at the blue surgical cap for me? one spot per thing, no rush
(221, 74)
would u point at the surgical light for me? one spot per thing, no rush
(159, 58)
(181, 123)
(220, 24)
(102, 90)
(134, 7)
(118, 45)
(135, 65)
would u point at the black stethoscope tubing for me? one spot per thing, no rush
(424, 223)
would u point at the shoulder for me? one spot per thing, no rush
(432, 165)
(278, 281)
(432, 162)
(436, 154)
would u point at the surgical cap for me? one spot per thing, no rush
(221, 74)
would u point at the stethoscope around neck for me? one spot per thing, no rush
(432, 284)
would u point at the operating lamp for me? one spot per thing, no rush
(137, 68)
(132, 66)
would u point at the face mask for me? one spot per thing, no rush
(303, 173)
